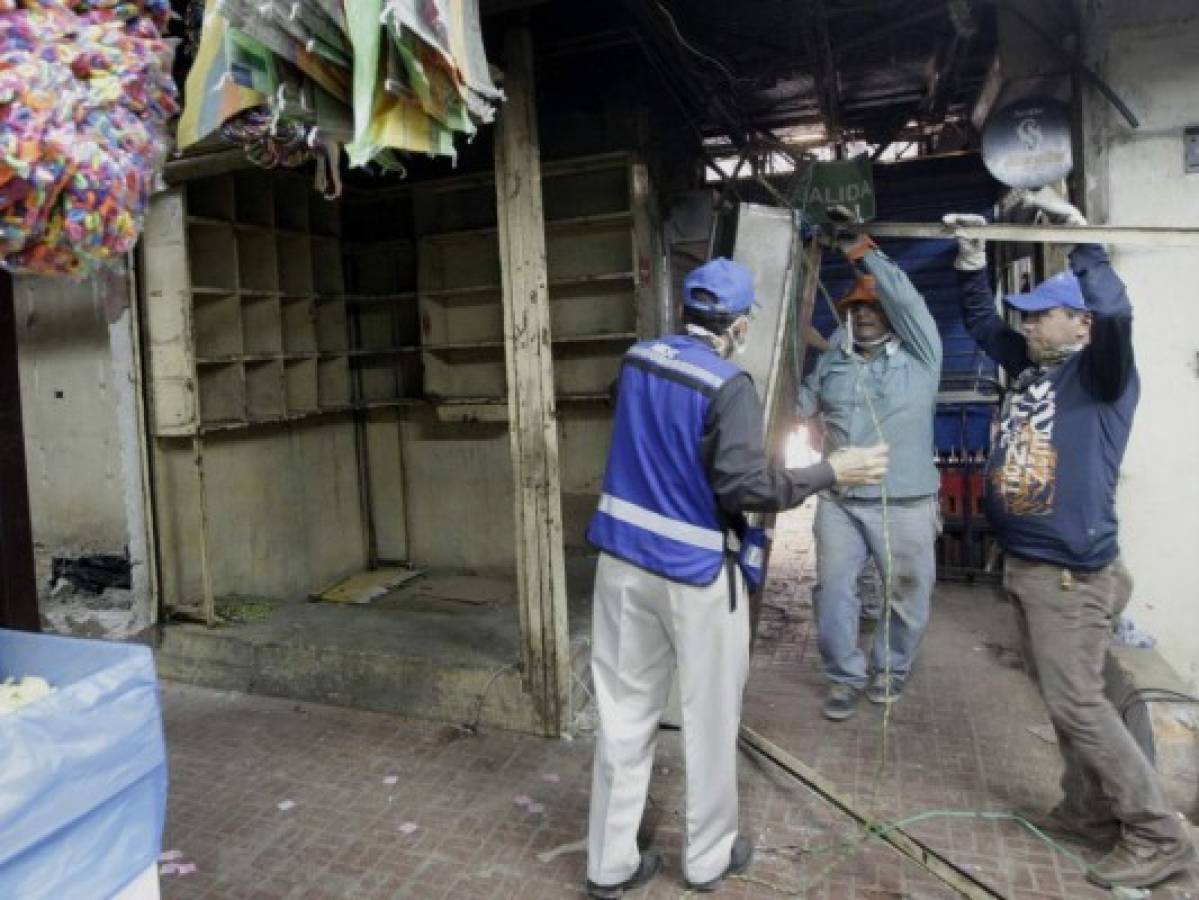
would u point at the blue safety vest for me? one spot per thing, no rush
(657, 509)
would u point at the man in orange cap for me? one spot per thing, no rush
(879, 383)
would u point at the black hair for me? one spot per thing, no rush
(714, 322)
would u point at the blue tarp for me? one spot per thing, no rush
(83, 776)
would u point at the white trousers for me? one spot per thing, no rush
(643, 626)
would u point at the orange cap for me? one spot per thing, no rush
(863, 291)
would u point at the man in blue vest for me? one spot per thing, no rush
(1051, 498)
(881, 378)
(686, 463)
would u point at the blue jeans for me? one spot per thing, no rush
(847, 532)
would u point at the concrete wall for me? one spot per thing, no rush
(76, 487)
(1147, 52)
(83, 443)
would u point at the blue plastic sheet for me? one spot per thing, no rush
(83, 776)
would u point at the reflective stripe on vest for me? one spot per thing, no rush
(679, 366)
(684, 532)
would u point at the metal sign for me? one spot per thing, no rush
(848, 183)
(1027, 144)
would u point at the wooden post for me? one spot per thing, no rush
(18, 584)
(532, 421)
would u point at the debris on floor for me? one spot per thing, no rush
(364, 587)
(240, 610)
(1129, 635)
(171, 862)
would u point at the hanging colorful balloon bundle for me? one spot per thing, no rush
(85, 96)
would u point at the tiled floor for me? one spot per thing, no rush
(380, 806)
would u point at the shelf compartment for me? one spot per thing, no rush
(333, 382)
(601, 222)
(459, 264)
(467, 372)
(256, 260)
(592, 307)
(291, 203)
(331, 335)
(295, 263)
(594, 192)
(377, 378)
(382, 270)
(265, 394)
(458, 323)
(384, 216)
(222, 390)
(212, 256)
(374, 327)
(211, 198)
(299, 325)
(254, 198)
(216, 325)
(299, 379)
(443, 208)
(588, 366)
(261, 319)
(575, 255)
(327, 274)
(410, 377)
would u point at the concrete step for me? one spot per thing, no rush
(425, 685)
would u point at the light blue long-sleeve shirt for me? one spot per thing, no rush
(901, 380)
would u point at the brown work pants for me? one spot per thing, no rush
(1066, 619)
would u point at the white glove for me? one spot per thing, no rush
(856, 466)
(1056, 209)
(972, 252)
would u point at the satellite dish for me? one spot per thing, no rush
(1027, 144)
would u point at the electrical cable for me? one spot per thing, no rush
(686, 45)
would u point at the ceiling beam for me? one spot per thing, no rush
(819, 47)
(948, 59)
(935, 10)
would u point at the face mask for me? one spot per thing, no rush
(1052, 356)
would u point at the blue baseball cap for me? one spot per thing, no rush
(731, 284)
(1062, 289)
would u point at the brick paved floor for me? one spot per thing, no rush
(381, 806)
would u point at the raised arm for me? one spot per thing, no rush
(997, 339)
(910, 319)
(1107, 362)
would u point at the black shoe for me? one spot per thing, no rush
(1061, 822)
(651, 862)
(841, 702)
(739, 859)
(878, 691)
(1141, 867)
